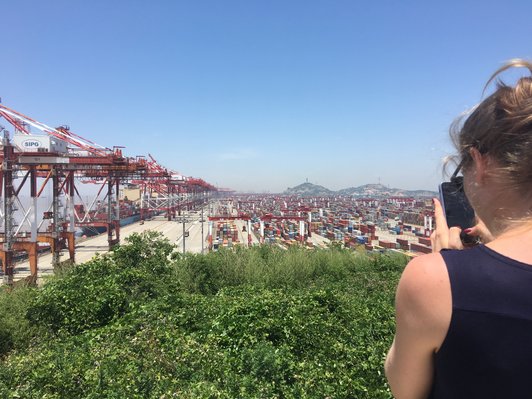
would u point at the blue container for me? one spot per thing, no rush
(361, 239)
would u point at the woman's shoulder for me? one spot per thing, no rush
(425, 272)
(424, 294)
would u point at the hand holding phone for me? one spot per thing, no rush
(457, 209)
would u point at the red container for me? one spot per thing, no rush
(420, 248)
(386, 244)
(424, 241)
(402, 241)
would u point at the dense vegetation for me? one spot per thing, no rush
(145, 322)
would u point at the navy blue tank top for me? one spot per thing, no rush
(487, 352)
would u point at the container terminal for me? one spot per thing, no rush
(96, 196)
(372, 224)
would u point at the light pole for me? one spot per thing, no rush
(202, 237)
(183, 216)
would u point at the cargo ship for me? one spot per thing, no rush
(129, 213)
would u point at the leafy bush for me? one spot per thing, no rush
(257, 323)
(99, 291)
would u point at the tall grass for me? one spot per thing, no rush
(15, 329)
(273, 267)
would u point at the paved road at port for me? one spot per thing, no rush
(87, 248)
(319, 241)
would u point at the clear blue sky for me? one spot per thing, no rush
(260, 95)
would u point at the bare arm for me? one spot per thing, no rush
(423, 312)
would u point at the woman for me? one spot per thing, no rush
(464, 316)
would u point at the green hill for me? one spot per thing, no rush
(145, 322)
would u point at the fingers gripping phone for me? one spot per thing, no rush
(457, 209)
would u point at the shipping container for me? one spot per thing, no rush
(420, 248)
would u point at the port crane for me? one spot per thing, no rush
(57, 158)
(165, 190)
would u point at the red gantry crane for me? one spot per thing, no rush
(165, 190)
(54, 158)
(57, 158)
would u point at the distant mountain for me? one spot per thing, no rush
(308, 190)
(380, 190)
(367, 190)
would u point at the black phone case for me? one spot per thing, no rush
(458, 210)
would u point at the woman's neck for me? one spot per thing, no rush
(515, 242)
(504, 220)
(515, 229)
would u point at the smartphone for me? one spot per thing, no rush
(458, 210)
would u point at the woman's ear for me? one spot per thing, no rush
(480, 165)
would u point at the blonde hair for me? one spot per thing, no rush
(501, 127)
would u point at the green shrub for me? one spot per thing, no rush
(95, 293)
(250, 323)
